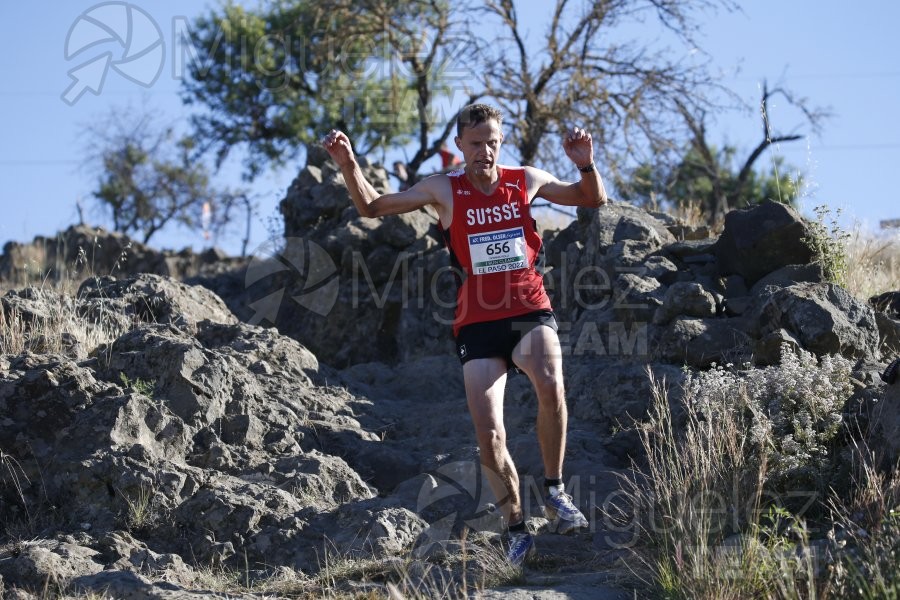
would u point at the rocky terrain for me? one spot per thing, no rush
(296, 423)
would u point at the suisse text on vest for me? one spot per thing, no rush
(492, 214)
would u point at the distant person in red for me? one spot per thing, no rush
(503, 314)
(448, 159)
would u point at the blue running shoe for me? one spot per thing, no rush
(558, 507)
(521, 548)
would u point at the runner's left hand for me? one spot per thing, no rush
(579, 147)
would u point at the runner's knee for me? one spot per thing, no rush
(549, 387)
(492, 438)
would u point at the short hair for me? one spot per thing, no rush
(475, 114)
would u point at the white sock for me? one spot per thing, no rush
(555, 490)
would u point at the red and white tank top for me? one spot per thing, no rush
(492, 240)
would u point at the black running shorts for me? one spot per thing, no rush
(492, 339)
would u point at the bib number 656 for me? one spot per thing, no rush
(497, 248)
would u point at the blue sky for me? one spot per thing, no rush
(839, 57)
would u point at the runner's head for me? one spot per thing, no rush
(475, 114)
(479, 137)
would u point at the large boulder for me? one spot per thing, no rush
(602, 245)
(228, 445)
(50, 321)
(824, 317)
(887, 303)
(34, 305)
(787, 276)
(702, 342)
(38, 561)
(886, 416)
(887, 316)
(148, 298)
(318, 195)
(762, 239)
(352, 289)
(889, 330)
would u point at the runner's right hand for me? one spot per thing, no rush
(338, 146)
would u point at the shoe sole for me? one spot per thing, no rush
(565, 526)
(559, 523)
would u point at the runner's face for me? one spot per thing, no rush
(480, 146)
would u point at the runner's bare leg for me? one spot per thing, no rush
(485, 380)
(539, 355)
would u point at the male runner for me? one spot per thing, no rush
(503, 314)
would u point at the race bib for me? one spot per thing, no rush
(498, 251)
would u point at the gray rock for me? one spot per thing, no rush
(824, 317)
(689, 232)
(702, 342)
(787, 276)
(738, 305)
(660, 268)
(889, 332)
(196, 383)
(733, 286)
(635, 298)
(380, 531)
(629, 255)
(619, 240)
(615, 392)
(759, 240)
(683, 249)
(596, 230)
(127, 585)
(886, 420)
(35, 305)
(401, 231)
(579, 586)
(388, 277)
(149, 298)
(318, 195)
(635, 229)
(768, 350)
(685, 299)
(887, 303)
(699, 259)
(205, 454)
(36, 562)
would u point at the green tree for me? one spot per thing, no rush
(276, 78)
(715, 180)
(149, 179)
(691, 184)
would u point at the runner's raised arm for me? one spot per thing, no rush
(589, 191)
(428, 192)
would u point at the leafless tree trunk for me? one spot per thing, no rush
(726, 200)
(624, 93)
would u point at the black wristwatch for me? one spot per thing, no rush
(588, 167)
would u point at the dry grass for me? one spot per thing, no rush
(58, 330)
(344, 576)
(40, 269)
(873, 264)
(697, 489)
(867, 531)
(708, 528)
